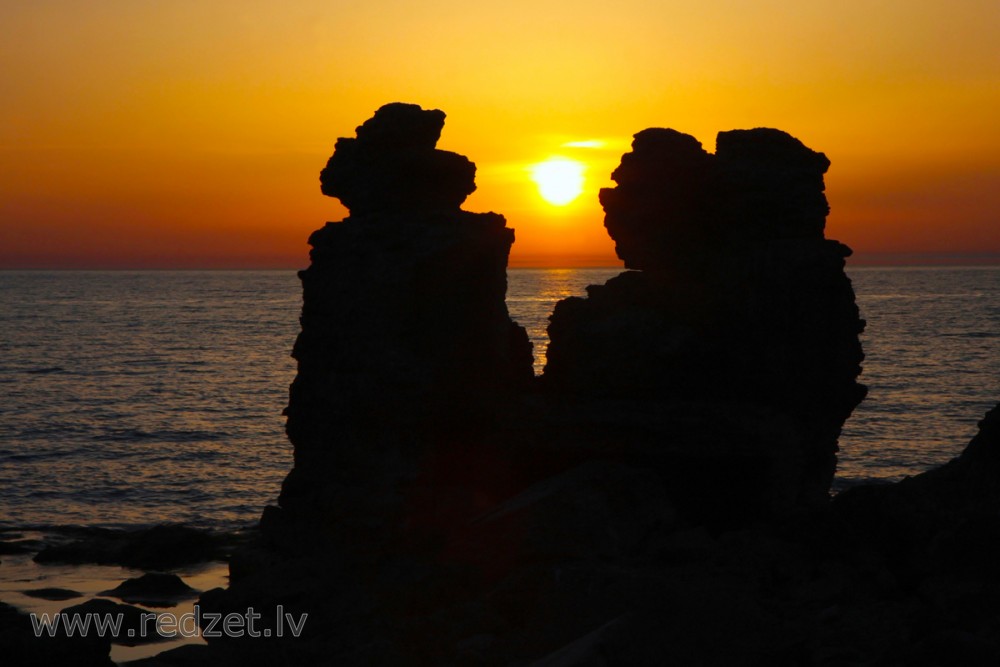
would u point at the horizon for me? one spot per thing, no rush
(902, 261)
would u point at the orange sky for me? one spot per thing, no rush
(137, 133)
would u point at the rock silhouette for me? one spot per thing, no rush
(393, 165)
(406, 342)
(740, 306)
(676, 205)
(656, 497)
(20, 646)
(154, 589)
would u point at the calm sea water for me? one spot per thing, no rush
(932, 352)
(133, 398)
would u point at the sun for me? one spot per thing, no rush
(559, 180)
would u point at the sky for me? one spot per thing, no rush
(178, 133)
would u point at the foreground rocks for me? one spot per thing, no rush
(943, 526)
(21, 648)
(153, 589)
(160, 547)
(52, 594)
(658, 497)
(83, 634)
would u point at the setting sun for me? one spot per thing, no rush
(559, 180)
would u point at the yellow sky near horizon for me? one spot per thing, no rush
(144, 133)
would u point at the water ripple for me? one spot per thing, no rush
(135, 398)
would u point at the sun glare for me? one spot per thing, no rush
(559, 180)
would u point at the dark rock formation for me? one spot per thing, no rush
(154, 589)
(740, 305)
(12, 543)
(392, 165)
(20, 647)
(159, 547)
(943, 521)
(658, 497)
(676, 205)
(52, 594)
(406, 343)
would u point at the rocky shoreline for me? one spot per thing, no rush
(659, 496)
(60, 570)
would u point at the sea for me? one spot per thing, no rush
(132, 398)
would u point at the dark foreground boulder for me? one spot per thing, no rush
(21, 646)
(160, 547)
(945, 521)
(154, 589)
(52, 594)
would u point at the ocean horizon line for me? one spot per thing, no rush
(875, 261)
